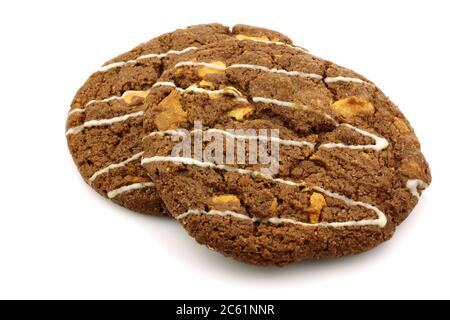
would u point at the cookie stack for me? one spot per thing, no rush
(259, 149)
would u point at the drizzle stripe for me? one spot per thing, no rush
(200, 90)
(280, 103)
(413, 184)
(136, 186)
(381, 221)
(270, 70)
(103, 122)
(380, 143)
(216, 213)
(274, 70)
(343, 79)
(121, 64)
(199, 64)
(367, 222)
(112, 98)
(135, 157)
(284, 142)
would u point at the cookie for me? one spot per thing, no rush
(270, 155)
(104, 126)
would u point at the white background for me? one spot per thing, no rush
(59, 239)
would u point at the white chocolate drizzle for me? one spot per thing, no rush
(414, 184)
(135, 157)
(199, 64)
(135, 186)
(103, 122)
(112, 98)
(286, 104)
(289, 104)
(76, 110)
(214, 92)
(278, 71)
(292, 143)
(239, 216)
(167, 84)
(269, 70)
(216, 213)
(121, 64)
(202, 164)
(380, 221)
(335, 79)
(380, 143)
(196, 89)
(343, 79)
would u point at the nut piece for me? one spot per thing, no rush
(401, 126)
(133, 179)
(226, 202)
(274, 205)
(226, 198)
(316, 204)
(131, 96)
(352, 106)
(239, 113)
(227, 91)
(216, 67)
(245, 37)
(170, 113)
(206, 84)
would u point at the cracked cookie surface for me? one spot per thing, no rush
(350, 167)
(104, 127)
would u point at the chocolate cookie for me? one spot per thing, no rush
(270, 155)
(104, 125)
